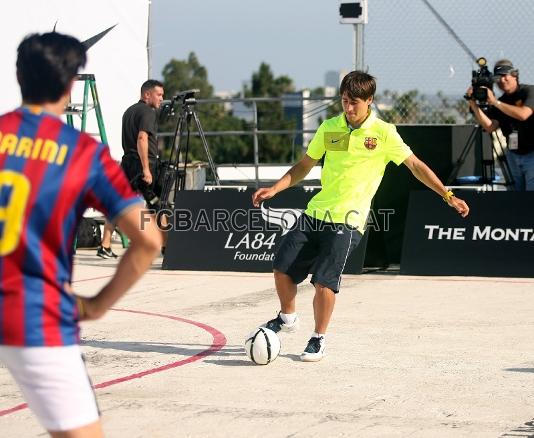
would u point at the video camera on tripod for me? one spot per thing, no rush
(186, 95)
(482, 81)
(173, 172)
(167, 106)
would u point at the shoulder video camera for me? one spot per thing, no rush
(482, 80)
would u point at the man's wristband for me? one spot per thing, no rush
(448, 196)
(81, 307)
(497, 102)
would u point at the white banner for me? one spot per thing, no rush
(118, 61)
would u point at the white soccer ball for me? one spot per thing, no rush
(262, 346)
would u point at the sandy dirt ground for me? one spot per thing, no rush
(406, 357)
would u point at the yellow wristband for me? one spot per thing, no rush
(447, 196)
(81, 307)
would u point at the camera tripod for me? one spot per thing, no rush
(173, 172)
(488, 163)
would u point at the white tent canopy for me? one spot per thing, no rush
(118, 61)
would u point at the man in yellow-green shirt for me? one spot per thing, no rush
(356, 146)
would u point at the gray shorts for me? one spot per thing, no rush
(316, 247)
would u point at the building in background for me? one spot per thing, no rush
(332, 80)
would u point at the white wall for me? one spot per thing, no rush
(118, 61)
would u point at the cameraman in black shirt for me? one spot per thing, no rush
(140, 160)
(139, 140)
(140, 144)
(512, 112)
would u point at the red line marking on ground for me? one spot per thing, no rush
(13, 409)
(452, 280)
(219, 341)
(181, 274)
(362, 277)
(186, 274)
(94, 278)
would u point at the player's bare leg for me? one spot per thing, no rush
(287, 320)
(106, 234)
(286, 290)
(93, 430)
(323, 307)
(164, 226)
(105, 250)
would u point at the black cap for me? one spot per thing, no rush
(503, 68)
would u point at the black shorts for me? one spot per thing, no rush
(133, 169)
(320, 248)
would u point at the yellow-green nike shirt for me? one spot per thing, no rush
(354, 164)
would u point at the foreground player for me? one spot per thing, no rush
(357, 146)
(49, 174)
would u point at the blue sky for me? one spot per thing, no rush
(232, 38)
(405, 46)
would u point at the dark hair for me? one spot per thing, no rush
(148, 85)
(46, 64)
(358, 84)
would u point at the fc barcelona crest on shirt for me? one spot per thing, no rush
(370, 143)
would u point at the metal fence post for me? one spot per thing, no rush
(255, 142)
(358, 47)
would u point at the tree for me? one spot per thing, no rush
(411, 107)
(272, 148)
(186, 75)
(264, 84)
(405, 107)
(189, 74)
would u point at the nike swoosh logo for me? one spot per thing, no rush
(335, 141)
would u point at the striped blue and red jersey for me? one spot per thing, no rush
(49, 174)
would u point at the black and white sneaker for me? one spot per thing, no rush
(277, 324)
(106, 253)
(314, 351)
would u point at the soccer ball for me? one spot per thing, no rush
(262, 346)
